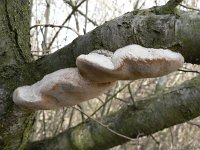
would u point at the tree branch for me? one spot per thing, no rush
(68, 17)
(168, 8)
(187, 7)
(53, 26)
(159, 31)
(153, 114)
(188, 70)
(80, 12)
(172, 3)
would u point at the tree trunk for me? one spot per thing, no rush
(14, 53)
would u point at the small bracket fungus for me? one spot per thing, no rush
(96, 73)
(129, 63)
(65, 87)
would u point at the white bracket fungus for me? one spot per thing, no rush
(65, 87)
(96, 73)
(129, 63)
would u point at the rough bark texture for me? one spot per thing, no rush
(155, 113)
(14, 52)
(179, 33)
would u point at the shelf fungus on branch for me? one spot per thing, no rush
(65, 87)
(129, 63)
(96, 73)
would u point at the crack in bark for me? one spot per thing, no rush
(14, 31)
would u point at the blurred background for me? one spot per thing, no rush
(56, 23)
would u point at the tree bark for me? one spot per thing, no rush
(152, 114)
(14, 53)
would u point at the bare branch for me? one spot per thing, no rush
(173, 3)
(69, 16)
(194, 124)
(80, 12)
(188, 70)
(53, 26)
(187, 7)
(111, 98)
(168, 7)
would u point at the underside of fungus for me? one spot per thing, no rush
(96, 73)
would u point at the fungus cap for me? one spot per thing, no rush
(65, 87)
(129, 63)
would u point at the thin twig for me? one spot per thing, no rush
(120, 99)
(80, 12)
(169, 7)
(45, 34)
(105, 126)
(155, 140)
(86, 16)
(103, 110)
(69, 16)
(111, 98)
(90, 20)
(70, 118)
(194, 124)
(173, 3)
(136, 5)
(131, 95)
(43, 44)
(187, 70)
(53, 26)
(82, 115)
(60, 124)
(172, 139)
(187, 7)
(44, 124)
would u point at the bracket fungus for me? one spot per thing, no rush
(65, 87)
(96, 73)
(129, 63)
